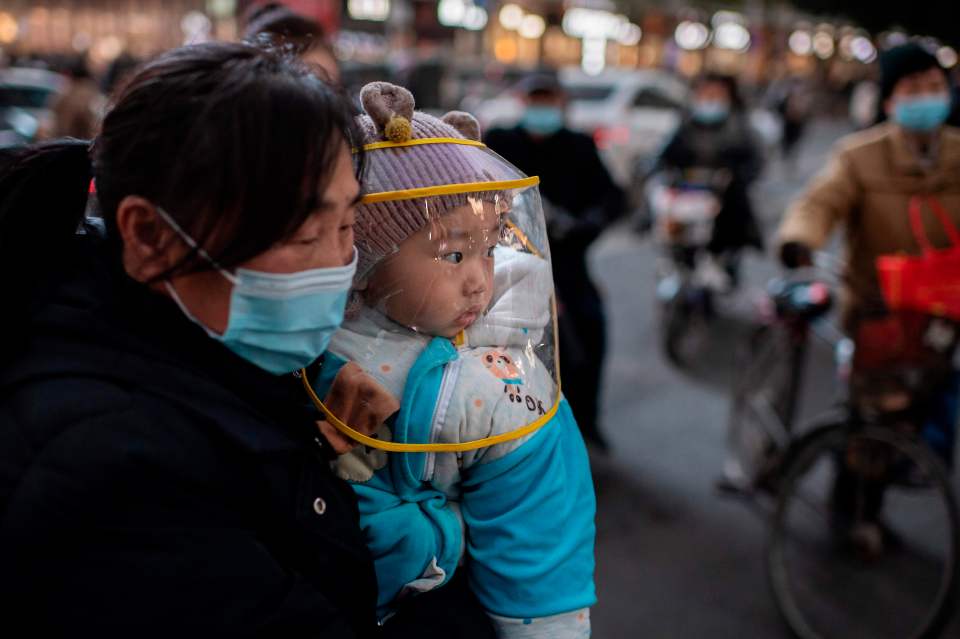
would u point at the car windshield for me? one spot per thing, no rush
(24, 96)
(589, 92)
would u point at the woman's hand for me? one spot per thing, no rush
(360, 402)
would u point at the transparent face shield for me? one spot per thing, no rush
(463, 261)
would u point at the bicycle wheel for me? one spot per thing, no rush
(760, 409)
(855, 552)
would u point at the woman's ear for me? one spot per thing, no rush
(150, 246)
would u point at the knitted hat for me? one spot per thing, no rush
(901, 61)
(409, 150)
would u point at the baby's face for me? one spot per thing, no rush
(440, 280)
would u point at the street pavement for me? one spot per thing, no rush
(675, 560)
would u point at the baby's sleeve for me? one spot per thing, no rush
(529, 516)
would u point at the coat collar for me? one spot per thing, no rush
(101, 324)
(906, 160)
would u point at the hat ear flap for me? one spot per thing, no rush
(391, 109)
(464, 123)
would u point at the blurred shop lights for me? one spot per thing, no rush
(461, 13)
(373, 10)
(947, 56)
(691, 35)
(596, 28)
(8, 28)
(730, 31)
(511, 17)
(823, 44)
(196, 27)
(532, 26)
(863, 50)
(801, 42)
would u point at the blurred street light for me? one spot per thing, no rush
(800, 42)
(373, 10)
(511, 17)
(947, 56)
(8, 28)
(596, 27)
(461, 13)
(823, 44)
(691, 35)
(863, 50)
(731, 35)
(532, 26)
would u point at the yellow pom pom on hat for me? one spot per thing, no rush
(398, 129)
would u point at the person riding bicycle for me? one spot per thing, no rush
(872, 180)
(872, 175)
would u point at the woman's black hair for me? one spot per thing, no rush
(728, 81)
(235, 142)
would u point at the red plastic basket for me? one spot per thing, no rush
(929, 282)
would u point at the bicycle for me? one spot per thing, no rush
(684, 205)
(858, 502)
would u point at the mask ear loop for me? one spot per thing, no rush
(230, 277)
(192, 243)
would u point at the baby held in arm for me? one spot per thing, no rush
(452, 312)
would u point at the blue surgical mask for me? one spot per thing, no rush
(710, 111)
(279, 321)
(923, 113)
(542, 120)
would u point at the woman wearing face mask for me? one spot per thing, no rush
(159, 473)
(716, 137)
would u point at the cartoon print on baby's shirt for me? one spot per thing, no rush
(503, 368)
(362, 462)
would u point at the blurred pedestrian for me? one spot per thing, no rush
(716, 136)
(793, 100)
(160, 474)
(580, 201)
(77, 111)
(278, 24)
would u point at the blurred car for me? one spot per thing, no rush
(28, 94)
(17, 127)
(630, 114)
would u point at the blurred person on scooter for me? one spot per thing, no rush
(580, 201)
(716, 137)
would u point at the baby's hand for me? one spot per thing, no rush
(360, 402)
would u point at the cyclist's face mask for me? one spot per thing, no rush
(924, 112)
(921, 100)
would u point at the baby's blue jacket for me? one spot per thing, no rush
(527, 517)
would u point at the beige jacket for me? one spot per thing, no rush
(865, 189)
